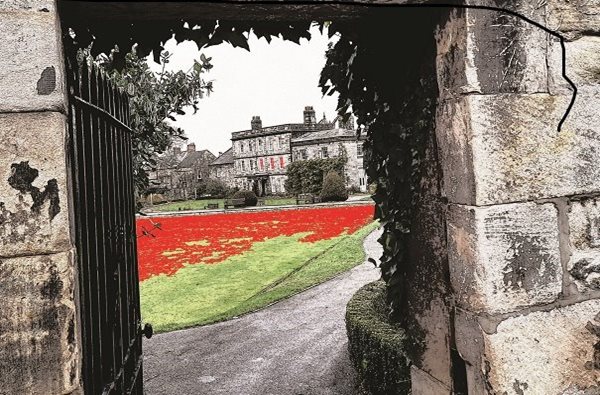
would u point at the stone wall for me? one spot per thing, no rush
(523, 221)
(39, 345)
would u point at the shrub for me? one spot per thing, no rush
(377, 347)
(334, 189)
(231, 191)
(216, 188)
(249, 197)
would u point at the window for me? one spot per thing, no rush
(324, 152)
(252, 164)
(272, 163)
(281, 142)
(241, 146)
(281, 162)
(303, 154)
(261, 163)
(359, 149)
(243, 166)
(260, 144)
(270, 144)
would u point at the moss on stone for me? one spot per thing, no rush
(377, 347)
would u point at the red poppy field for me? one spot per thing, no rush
(170, 243)
(199, 269)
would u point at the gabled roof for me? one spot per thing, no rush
(226, 158)
(191, 158)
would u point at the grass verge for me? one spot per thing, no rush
(270, 271)
(188, 205)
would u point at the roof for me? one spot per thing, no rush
(191, 158)
(225, 158)
(325, 134)
(277, 129)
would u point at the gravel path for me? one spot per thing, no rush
(297, 346)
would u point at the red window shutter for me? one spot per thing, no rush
(262, 164)
(272, 163)
(281, 162)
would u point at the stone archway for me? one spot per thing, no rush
(518, 200)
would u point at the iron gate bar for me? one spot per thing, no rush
(99, 110)
(102, 175)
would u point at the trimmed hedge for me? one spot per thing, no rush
(376, 346)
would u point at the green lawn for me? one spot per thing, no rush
(200, 204)
(271, 270)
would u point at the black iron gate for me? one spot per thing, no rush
(102, 177)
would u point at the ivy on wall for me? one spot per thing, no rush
(383, 70)
(306, 176)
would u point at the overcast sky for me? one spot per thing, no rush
(273, 80)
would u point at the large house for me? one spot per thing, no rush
(179, 173)
(259, 156)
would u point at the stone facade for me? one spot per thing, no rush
(262, 154)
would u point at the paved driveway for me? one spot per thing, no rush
(297, 346)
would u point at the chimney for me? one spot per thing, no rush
(256, 123)
(310, 117)
(191, 147)
(220, 153)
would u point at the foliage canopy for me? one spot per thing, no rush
(155, 99)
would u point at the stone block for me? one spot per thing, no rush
(544, 352)
(39, 353)
(488, 52)
(582, 62)
(506, 148)
(28, 5)
(34, 209)
(32, 74)
(504, 258)
(584, 237)
(573, 17)
(424, 384)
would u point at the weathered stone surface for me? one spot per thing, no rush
(584, 235)
(31, 66)
(423, 384)
(39, 353)
(572, 17)
(484, 51)
(546, 352)
(426, 311)
(34, 211)
(582, 61)
(504, 258)
(506, 148)
(28, 5)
